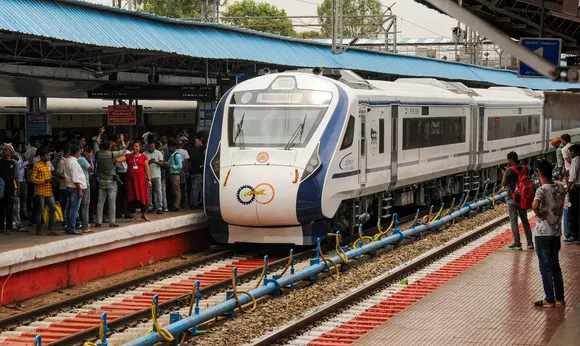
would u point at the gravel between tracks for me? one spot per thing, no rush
(278, 312)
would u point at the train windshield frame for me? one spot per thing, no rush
(273, 125)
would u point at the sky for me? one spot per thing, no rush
(415, 20)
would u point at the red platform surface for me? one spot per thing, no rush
(31, 265)
(488, 304)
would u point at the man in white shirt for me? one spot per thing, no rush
(565, 138)
(574, 192)
(155, 191)
(75, 184)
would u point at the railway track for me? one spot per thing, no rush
(351, 315)
(76, 320)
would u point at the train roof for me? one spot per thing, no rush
(11, 105)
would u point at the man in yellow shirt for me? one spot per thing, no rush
(41, 177)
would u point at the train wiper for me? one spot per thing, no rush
(297, 134)
(240, 133)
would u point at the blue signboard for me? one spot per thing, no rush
(36, 124)
(548, 48)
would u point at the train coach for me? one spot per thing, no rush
(293, 156)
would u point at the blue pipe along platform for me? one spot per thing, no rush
(273, 286)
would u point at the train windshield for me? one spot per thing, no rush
(273, 126)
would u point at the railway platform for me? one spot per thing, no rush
(31, 265)
(489, 303)
(481, 294)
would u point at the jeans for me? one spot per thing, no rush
(16, 211)
(63, 200)
(74, 202)
(514, 211)
(164, 194)
(85, 204)
(176, 188)
(547, 249)
(107, 190)
(155, 191)
(196, 183)
(23, 190)
(574, 212)
(6, 209)
(39, 202)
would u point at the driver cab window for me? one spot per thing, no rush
(349, 134)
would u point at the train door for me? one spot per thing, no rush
(378, 151)
(363, 110)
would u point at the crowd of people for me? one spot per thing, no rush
(67, 179)
(559, 188)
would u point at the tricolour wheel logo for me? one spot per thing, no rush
(246, 195)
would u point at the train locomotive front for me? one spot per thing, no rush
(271, 142)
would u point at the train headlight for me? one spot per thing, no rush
(215, 163)
(313, 164)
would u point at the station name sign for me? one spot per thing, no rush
(122, 115)
(200, 92)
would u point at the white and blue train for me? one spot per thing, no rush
(293, 156)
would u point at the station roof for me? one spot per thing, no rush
(522, 18)
(92, 26)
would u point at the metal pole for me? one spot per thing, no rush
(395, 35)
(542, 15)
(524, 54)
(206, 72)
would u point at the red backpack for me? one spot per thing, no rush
(523, 194)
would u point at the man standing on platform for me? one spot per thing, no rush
(510, 179)
(548, 206)
(197, 159)
(41, 177)
(155, 166)
(557, 144)
(175, 165)
(574, 195)
(76, 184)
(566, 142)
(8, 174)
(107, 176)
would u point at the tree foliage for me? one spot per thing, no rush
(352, 27)
(171, 8)
(251, 8)
(310, 34)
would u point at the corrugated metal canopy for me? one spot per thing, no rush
(81, 22)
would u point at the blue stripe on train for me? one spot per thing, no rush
(211, 193)
(309, 198)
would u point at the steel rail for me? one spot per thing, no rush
(275, 285)
(367, 289)
(145, 314)
(26, 316)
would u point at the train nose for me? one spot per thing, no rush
(260, 196)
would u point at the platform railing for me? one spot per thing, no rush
(271, 287)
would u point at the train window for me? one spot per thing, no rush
(432, 132)
(349, 134)
(561, 125)
(512, 126)
(424, 110)
(381, 136)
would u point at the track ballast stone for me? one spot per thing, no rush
(278, 312)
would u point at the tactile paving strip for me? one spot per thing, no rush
(343, 329)
(74, 321)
